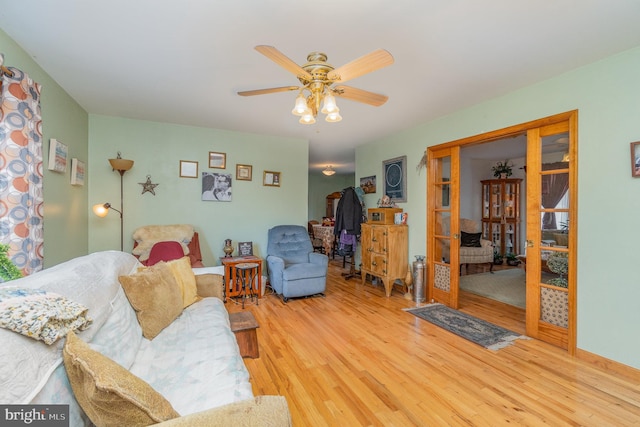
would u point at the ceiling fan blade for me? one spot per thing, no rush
(265, 91)
(365, 64)
(360, 95)
(279, 58)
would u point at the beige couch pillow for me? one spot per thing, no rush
(155, 296)
(109, 394)
(183, 273)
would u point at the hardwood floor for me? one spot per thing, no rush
(355, 358)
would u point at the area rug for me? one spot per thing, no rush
(476, 330)
(507, 286)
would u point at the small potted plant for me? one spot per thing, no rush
(512, 260)
(8, 271)
(497, 258)
(502, 169)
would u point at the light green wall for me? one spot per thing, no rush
(157, 148)
(606, 95)
(65, 214)
(320, 186)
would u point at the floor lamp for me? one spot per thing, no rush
(121, 165)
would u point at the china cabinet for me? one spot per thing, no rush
(501, 214)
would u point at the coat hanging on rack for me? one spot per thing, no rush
(349, 213)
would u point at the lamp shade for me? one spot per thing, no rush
(300, 107)
(101, 209)
(329, 105)
(121, 164)
(307, 119)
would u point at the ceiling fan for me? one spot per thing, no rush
(318, 77)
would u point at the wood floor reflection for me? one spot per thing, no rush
(355, 358)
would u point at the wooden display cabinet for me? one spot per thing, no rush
(385, 253)
(501, 214)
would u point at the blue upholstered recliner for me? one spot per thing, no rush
(295, 270)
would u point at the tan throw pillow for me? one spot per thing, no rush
(109, 394)
(155, 296)
(182, 272)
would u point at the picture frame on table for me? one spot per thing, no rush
(635, 159)
(244, 172)
(217, 160)
(188, 169)
(57, 156)
(245, 248)
(78, 169)
(271, 179)
(394, 176)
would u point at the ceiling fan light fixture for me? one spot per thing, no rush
(328, 171)
(307, 119)
(329, 106)
(333, 117)
(300, 108)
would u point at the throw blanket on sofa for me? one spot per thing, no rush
(149, 235)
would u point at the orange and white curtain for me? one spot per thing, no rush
(21, 201)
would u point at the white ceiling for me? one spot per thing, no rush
(184, 61)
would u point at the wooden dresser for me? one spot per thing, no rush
(385, 253)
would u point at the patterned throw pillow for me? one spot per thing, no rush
(40, 315)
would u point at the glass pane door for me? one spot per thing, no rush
(442, 245)
(550, 253)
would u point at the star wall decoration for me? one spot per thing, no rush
(148, 186)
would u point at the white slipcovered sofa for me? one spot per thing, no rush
(194, 362)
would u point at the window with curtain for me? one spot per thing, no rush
(554, 189)
(21, 201)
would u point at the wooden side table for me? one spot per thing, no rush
(232, 283)
(244, 326)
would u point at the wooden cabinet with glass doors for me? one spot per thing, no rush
(501, 214)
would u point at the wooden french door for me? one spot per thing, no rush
(443, 206)
(551, 309)
(551, 231)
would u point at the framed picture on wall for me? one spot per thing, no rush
(57, 156)
(244, 172)
(188, 169)
(368, 184)
(394, 172)
(216, 187)
(635, 159)
(217, 160)
(77, 172)
(271, 179)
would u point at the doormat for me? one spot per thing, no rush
(476, 330)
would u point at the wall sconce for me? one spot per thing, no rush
(121, 165)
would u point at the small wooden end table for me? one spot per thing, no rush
(232, 283)
(244, 326)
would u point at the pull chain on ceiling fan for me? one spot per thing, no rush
(317, 77)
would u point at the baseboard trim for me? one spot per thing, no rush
(609, 365)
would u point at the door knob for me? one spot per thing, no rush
(529, 243)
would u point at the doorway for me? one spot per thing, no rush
(546, 229)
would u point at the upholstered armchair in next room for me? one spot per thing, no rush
(295, 270)
(473, 248)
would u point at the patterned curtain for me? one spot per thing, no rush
(21, 169)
